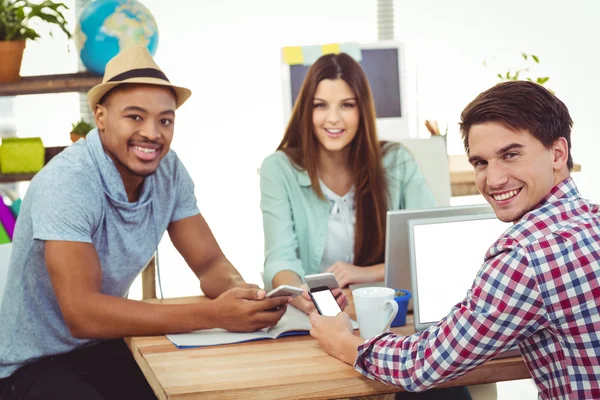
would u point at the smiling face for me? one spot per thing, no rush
(136, 124)
(335, 114)
(513, 170)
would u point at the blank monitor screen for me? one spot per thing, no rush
(382, 70)
(446, 254)
(397, 252)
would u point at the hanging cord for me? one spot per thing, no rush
(158, 274)
(156, 263)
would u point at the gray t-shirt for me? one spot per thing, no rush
(80, 197)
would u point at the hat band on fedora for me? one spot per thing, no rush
(139, 73)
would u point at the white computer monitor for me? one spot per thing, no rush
(397, 240)
(392, 77)
(445, 255)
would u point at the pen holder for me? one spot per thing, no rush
(401, 297)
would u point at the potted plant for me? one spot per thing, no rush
(516, 75)
(523, 72)
(79, 130)
(14, 31)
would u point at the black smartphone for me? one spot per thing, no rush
(324, 301)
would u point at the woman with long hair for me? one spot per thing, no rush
(326, 190)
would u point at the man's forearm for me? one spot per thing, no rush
(219, 277)
(101, 316)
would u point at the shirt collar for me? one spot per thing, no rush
(111, 178)
(564, 190)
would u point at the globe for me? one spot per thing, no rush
(106, 27)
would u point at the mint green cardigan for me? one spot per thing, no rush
(295, 220)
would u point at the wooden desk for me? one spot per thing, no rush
(286, 368)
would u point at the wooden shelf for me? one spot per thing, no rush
(63, 83)
(12, 178)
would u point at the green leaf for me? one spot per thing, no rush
(500, 76)
(16, 15)
(542, 80)
(529, 79)
(508, 75)
(535, 58)
(524, 55)
(81, 127)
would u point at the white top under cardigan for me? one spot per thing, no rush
(340, 228)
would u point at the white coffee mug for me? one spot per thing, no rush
(375, 309)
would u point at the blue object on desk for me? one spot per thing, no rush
(402, 297)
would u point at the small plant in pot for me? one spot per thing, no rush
(15, 16)
(79, 130)
(516, 75)
(529, 62)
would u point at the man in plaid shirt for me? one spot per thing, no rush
(539, 284)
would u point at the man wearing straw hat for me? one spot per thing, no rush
(90, 221)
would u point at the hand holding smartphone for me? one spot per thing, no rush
(320, 286)
(324, 301)
(285, 290)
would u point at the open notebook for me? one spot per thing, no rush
(293, 322)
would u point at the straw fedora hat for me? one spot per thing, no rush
(133, 65)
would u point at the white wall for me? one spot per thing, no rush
(228, 53)
(453, 38)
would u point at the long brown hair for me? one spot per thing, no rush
(301, 146)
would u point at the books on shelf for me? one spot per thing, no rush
(293, 322)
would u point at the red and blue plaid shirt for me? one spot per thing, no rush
(539, 288)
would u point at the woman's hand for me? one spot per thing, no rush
(303, 302)
(347, 274)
